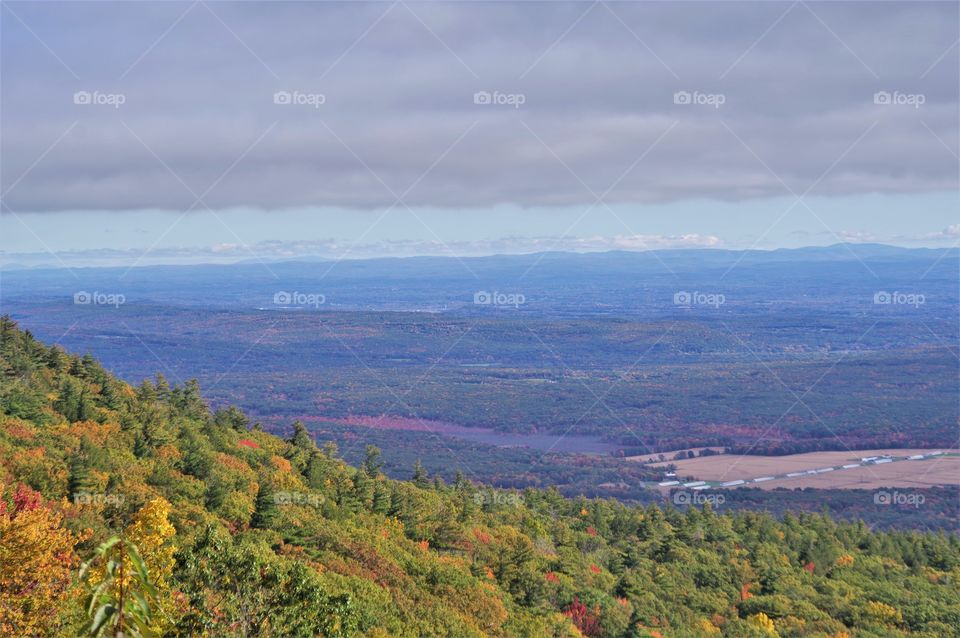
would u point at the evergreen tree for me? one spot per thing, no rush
(447, 533)
(465, 497)
(162, 387)
(381, 498)
(363, 488)
(302, 447)
(231, 418)
(372, 463)
(265, 512)
(146, 392)
(345, 495)
(70, 402)
(301, 436)
(317, 470)
(396, 507)
(188, 401)
(80, 479)
(420, 477)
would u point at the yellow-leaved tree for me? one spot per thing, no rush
(129, 577)
(763, 622)
(152, 534)
(36, 559)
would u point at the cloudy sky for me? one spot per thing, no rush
(168, 132)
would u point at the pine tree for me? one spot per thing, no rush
(381, 498)
(232, 418)
(265, 512)
(80, 479)
(146, 392)
(420, 477)
(447, 533)
(156, 427)
(189, 400)
(302, 447)
(163, 388)
(345, 494)
(57, 359)
(372, 463)
(363, 488)
(73, 402)
(317, 470)
(301, 436)
(141, 447)
(397, 504)
(465, 497)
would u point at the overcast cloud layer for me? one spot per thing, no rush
(598, 118)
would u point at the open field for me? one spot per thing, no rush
(943, 470)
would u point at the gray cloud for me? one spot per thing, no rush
(399, 111)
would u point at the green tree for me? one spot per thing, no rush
(420, 477)
(265, 513)
(371, 461)
(121, 600)
(245, 586)
(74, 402)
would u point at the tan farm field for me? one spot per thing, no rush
(939, 471)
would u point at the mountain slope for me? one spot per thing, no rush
(274, 537)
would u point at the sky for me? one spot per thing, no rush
(182, 132)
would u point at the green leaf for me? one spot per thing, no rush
(103, 615)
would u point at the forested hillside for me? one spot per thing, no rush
(241, 533)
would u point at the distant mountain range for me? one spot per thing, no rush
(840, 251)
(546, 280)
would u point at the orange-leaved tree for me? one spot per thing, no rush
(36, 559)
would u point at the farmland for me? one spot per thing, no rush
(930, 471)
